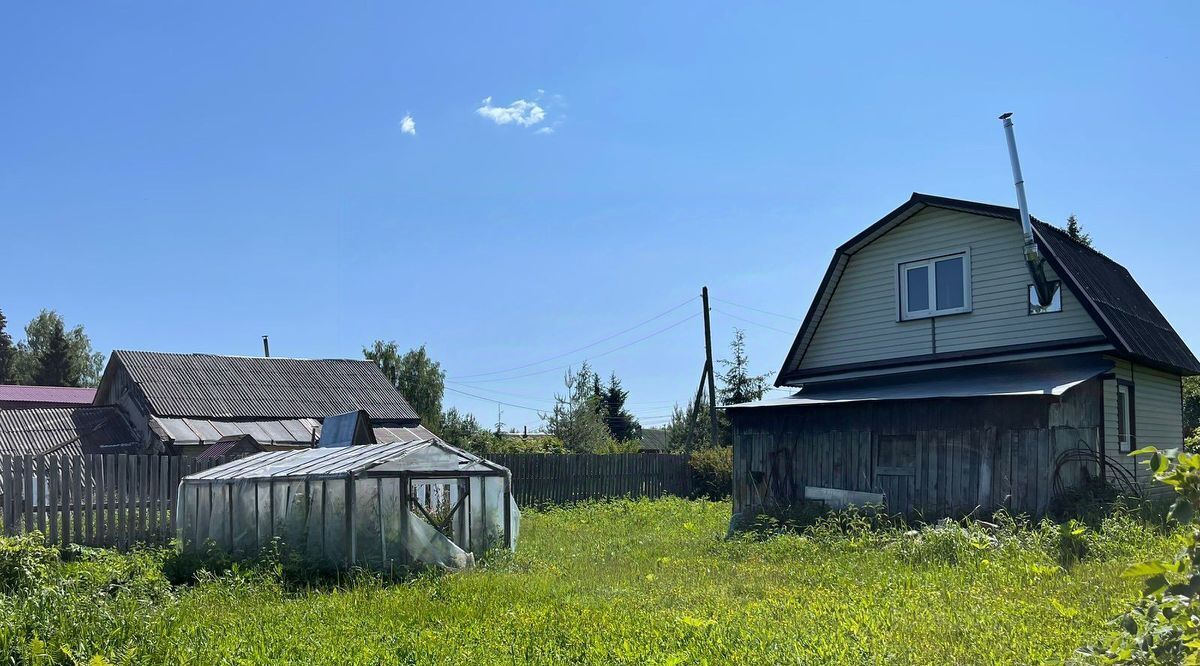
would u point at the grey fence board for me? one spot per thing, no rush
(98, 500)
(542, 478)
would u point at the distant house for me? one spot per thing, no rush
(13, 396)
(654, 440)
(183, 403)
(941, 367)
(231, 445)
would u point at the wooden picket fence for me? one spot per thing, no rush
(112, 500)
(121, 500)
(540, 478)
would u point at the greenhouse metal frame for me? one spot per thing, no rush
(354, 506)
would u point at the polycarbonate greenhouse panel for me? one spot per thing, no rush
(380, 506)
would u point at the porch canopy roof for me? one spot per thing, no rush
(1040, 377)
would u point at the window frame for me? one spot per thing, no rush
(1029, 299)
(1126, 440)
(930, 262)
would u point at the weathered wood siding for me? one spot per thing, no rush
(861, 324)
(929, 457)
(1157, 416)
(124, 393)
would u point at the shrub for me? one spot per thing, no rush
(25, 563)
(712, 472)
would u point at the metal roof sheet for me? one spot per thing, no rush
(389, 434)
(57, 395)
(241, 387)
(191, 432)
(424, 455)
(73, 430)
(1044, 377)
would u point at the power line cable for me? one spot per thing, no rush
(595, 356)
(751, 321)
(766, 312)
(579, 349)
(497, 392)
(498, 402)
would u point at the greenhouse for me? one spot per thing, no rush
(383, 506)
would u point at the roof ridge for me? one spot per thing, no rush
(247, 356)
(1067, 236)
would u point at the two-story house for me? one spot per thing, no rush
(932, 374)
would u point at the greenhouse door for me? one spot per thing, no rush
(445, 505)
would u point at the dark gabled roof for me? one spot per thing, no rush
(248, 387)
(1123, 311)
(70, 430)
(1129, 319)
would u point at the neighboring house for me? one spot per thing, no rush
(654, 440)
(71, 430)
(183, 403)
(931, 374)
(14, 396)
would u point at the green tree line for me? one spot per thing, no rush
(50, 354)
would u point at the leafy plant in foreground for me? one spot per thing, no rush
(1164, 626)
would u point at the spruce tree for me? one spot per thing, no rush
(1076, 232)
(737, 384)
(622, 424)
(54, 364)
(8, 354)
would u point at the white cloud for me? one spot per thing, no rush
(522, 112)
(408, 125)
(545, 130)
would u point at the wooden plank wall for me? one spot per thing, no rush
(96, 500)
(540, 478)
(932, 473)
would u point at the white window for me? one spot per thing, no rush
(1125, 435)
(937, 286)
(1055, 305)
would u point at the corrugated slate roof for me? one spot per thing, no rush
(209, 386)
(61, 395)
(1118, 300)
(37, 431)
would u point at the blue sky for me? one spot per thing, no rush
(188, 177)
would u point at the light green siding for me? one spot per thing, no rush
(1157, 415)
(860, 323)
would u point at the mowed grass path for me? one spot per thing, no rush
(655, 583)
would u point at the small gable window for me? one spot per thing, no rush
(1055, 301)
(936, 286)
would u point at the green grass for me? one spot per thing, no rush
(630, 582)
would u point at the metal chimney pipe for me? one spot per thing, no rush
(1033, 255)
(1018, 180)
(266, 347)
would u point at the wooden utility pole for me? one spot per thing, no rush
(712, 384)
(695, 409)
